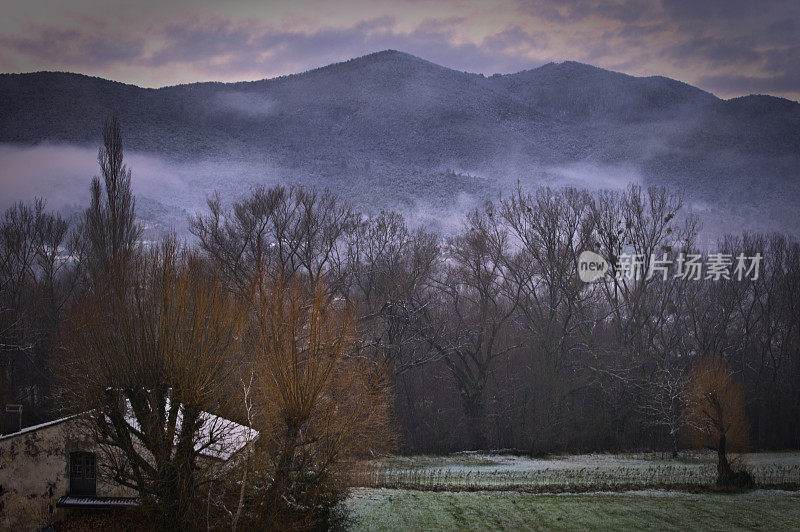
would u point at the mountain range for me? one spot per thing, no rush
(390, 130)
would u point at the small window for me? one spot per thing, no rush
(82, 474)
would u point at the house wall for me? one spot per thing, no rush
(34, 473)
(34, 466)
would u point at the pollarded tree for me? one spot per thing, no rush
(715, 413)
(148, 358)
(319, 405)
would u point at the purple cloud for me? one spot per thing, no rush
(72, 47)
(732, 47)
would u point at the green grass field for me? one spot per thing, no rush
(388, 509)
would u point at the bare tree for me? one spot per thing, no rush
(642, 225)
(662, 402)
(469, 326)
(38, 276)
(551, 229)
(388, 273)
(284, 232)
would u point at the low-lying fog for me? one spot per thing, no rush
(168, 192)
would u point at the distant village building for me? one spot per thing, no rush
(49, 468)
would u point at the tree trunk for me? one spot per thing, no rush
(282, 476)
(476, 419)
(723, 467)
(674, 438)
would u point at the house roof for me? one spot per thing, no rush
(219, 438)
(34, 428)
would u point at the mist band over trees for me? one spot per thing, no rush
(337, 336)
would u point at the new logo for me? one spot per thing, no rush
(591, 266)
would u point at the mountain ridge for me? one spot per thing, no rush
(393, 53)
(389, 128)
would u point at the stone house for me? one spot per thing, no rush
(50, 468)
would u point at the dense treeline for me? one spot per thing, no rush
(490, 338)
(495, 342)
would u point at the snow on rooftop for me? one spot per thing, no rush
(218, 437)
(34, 428)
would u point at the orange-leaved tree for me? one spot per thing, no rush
(319, 405)
(715, 413)
(147, 356)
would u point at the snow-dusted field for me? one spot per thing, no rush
(590, 472)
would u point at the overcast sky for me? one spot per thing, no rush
(730, 48)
